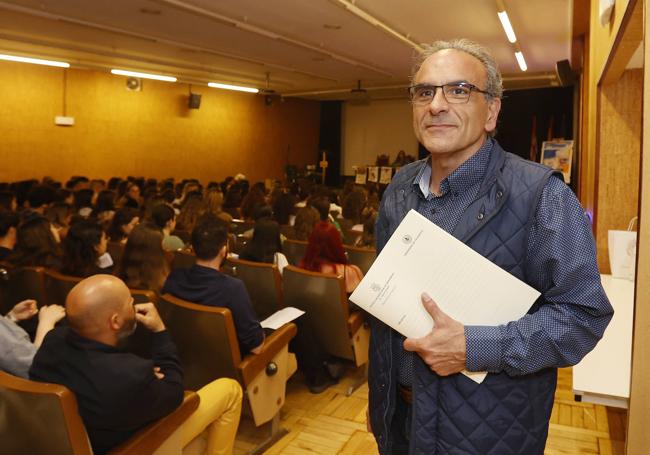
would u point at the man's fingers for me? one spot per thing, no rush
(433, 309)
(411, 344)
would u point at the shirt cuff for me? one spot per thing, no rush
(484, 349)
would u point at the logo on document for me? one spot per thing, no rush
(375, 287)
(407, 238)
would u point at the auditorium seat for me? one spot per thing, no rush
(22, 283)
(322, 296)
(288, 231)
(361, 257)
(57, 286)
(263, 283)
(41, 418)
(183, 259)
(294, 250)
(207, 343)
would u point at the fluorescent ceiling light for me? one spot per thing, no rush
(233, 87)
(156, 77)
(520, 59)
(507, 26)
(36, 61)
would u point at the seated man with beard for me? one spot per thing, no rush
(117, 392)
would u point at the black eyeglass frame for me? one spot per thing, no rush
(471, 87)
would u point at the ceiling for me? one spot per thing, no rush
(308, 48)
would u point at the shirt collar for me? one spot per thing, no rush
(464, 177)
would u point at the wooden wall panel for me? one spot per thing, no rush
(151, 132)
(618, 158)
(638, 436)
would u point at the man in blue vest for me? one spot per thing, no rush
(521, 216)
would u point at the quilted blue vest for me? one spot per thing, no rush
(454, 415)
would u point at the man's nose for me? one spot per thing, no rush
(438, 102)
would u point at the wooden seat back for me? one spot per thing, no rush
(206, 340)
(294, 250)
(263, 283)
(361, 257)
(323, 298)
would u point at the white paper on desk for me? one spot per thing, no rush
(281, 317)
(421, 257)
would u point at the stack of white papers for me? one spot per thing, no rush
(281, 317)
(421, 257)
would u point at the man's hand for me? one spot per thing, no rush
(23, 310)
(147, 315)
(50, 315)
(444, 348)
(157, 373)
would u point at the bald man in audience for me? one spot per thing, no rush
(119, 393)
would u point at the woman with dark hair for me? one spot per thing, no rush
(105, 207)
(325, 254)
(36, 244)
(284, 208)
(85, 250)
(192, 210)
(131, 197)
(253, 199)
(83, 202)
(144, 265)
(266, 245)
(124, 220)
(60, 215)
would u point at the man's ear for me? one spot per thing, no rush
(494, 107)
(115, 322)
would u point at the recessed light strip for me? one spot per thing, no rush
(156, 77)
(520, 59)
(507, 26)
(233, 87)
(35, 61)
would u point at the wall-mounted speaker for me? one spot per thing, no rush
(134, 84)
(564, 73)
(194, 101)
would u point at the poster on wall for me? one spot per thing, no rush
(373, 174)
(558, 155)
(385, 175)
(360, 175)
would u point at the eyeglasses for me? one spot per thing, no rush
(456, 93)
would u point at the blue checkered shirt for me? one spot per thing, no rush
(559, 243)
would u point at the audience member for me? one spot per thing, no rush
(39, 198)
(60, 216)
(36, 244)
(214, 204)
(251, 201)
(203, 283)
(84, 250)
(325, 254)
(143, 264)
(131, 196)
(124, 220)
(119, 393)
(8, 226)
(266, 244)
(104, 210)
(306, 219)
(193, 208)
(16, 350)
(83, 202)
(8, 201)
(284, 209)
(164, 217)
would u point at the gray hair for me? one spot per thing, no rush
(494, 81)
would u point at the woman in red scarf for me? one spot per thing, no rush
(325, 254)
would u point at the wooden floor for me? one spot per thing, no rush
(331, 423)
